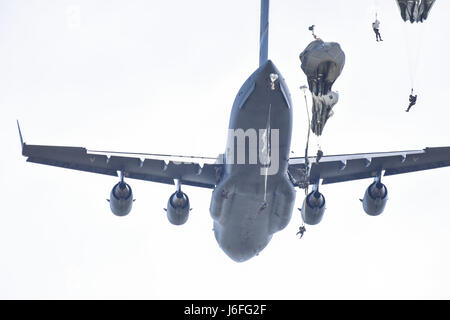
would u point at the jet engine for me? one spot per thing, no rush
(375, 198)
(121, 199)
(178, 208)
(313, 208)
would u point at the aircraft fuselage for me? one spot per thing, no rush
(255, 198)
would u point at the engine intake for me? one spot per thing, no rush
(375, 198)
(178, 208)
(121, 199)
(313, 208)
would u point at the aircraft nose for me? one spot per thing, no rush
(240, 253)
(235, 246)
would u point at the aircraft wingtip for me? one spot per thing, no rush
(20, 134)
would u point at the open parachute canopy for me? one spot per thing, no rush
(415, 10)
(322, 62)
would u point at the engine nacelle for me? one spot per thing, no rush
(375, 198)
(313, 208)
(178, 208)
(121, 199)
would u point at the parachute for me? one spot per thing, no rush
(322, 62)
(415, 10)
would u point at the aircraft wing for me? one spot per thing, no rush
(132, 165)
(135, 166)
(347, 167)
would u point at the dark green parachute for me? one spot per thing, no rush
(322, 62)
(415, 10)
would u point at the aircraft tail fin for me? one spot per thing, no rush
(264, 32)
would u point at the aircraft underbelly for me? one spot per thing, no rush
(243, 221)
(249, 204)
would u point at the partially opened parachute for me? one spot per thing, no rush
(322, 62)
(415, 10)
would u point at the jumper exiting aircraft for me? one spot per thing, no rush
(254, 182)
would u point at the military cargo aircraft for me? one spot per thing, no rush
(254, 182)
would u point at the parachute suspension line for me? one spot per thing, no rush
(302, 228)
(408, 54)
(375, 8)
(265, 185)
(307, 164)
(268, 151)
(413, 48)
(419, 48)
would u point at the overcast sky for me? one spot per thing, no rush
(161, 77)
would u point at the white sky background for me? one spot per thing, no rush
(161, 77)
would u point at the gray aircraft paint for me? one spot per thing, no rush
(264, 33)
(247, 206)
(248, 209)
